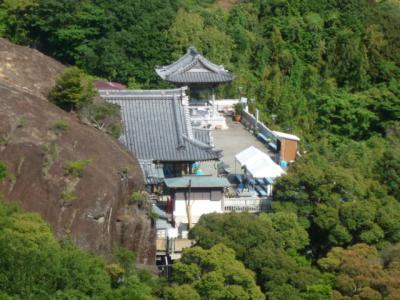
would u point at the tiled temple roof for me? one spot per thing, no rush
(193, 68)
(157, 126)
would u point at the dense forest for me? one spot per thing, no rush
(330, 72)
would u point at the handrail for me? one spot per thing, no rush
(251, 204)
(250, 121)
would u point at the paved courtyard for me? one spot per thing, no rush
(231, 141)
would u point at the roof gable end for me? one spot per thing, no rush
(194, 68)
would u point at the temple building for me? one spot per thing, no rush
(195, 71)
(158, 130)
(194, 196)
(199, 74)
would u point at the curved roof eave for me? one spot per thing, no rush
(182, 67)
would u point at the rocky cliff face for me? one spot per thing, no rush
(77, 178)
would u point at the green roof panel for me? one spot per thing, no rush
(196, 182)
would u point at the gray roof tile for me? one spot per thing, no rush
(194, 68)
(152, 173)
(196, 182)
(156, 126)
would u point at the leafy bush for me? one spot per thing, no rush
(238, 107)
(75, 168)
(73, 89)
(60, 125)
(153, 216)
(68, 196)
(103, 115)
(139, 198)
(3, 170)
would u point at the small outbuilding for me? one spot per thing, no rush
(288, 145)
(194, 196)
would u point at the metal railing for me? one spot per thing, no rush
(251, 204)
(251, 122)
(172, 245)
(248, 120)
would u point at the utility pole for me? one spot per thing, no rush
(189, 205)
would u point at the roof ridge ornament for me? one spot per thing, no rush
(192, 50)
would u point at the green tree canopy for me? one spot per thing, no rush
(212, 274)
(362, 274)
(338, 205)
(34, 265)
(268, 245)
(72, 90)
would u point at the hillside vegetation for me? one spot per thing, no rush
(320, 66)
(330, 72)
(34, 265)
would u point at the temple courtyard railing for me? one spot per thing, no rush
(249, 204)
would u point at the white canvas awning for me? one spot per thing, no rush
(258, 163)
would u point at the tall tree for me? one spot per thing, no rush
(361, 273)
(213, 274)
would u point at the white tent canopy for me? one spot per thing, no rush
(258, 163)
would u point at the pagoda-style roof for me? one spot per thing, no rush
(157, 126)
(194, 68)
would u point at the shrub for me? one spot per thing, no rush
(153, 216)
(76, 167)
(60, 125)
(3, 170)
(72, 90)
(138, 197)
(238, 107)
(68, 196)
(21, 123)
(103, 115)
(116, 273)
